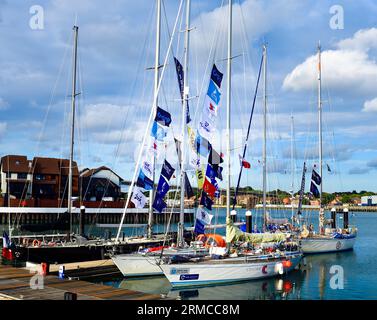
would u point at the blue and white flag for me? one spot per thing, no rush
(199, 227)
(204, 216)
(314, 190)
(144, 182)
(206, 201)
(207, 124)
(159, 204)
(138, 198)
(214, 92)
(181, 80)
(214, 171)
(163, 117)
(167, 170)
(148, 168)
(216, 76)
(316, 177)
(162, 187)
(158, 131)
(203, 146)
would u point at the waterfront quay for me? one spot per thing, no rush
(27, 215)
(25, 284)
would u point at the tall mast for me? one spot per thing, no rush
(321, 213)
(228, 105)
(265, 135)
(74, 94)
(156, 78)
(184, 123)
(292, 167)
(147, 128)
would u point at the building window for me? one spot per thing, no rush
(22, 176)
(39, 177)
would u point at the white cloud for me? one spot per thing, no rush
(363, 40)
(103, 115)
(370, 105)
(349, 68)
(346, 70)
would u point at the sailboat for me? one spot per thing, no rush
(70, 247)
(146, 262)
(330, 239)
(259, 256)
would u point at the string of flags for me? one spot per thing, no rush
(163, 186)
(181, 77)
(145, 178)
(210, 191)
(207, 125)
(208, 178)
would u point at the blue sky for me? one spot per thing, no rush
(116, 46)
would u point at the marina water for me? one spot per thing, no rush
(314, 281)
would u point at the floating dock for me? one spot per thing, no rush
(20, 284)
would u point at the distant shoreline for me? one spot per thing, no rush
(306, 207)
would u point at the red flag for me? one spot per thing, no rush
(209, 188)
(244, 163)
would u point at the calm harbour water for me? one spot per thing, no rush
(313, 282)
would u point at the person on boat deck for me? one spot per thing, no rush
(311, 228)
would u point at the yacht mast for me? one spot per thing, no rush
(156, 78)
(228, 105)
(184, 124)
(147, 128)
(292, 167)
(73, 97)
(321, 213)
(265, 136)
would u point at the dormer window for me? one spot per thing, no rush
(17, 163)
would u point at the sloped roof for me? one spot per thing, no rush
(15, 164)
(53, 166)
(89, 172)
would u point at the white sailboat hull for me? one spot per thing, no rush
(217, 272)
(326, 245)
(140, 265)
(137, 265)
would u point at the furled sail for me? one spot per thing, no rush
(233, 234)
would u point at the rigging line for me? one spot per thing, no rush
(168, 27)
(148, 124)
(52, 96)
(132, 96)
(248, 132)
(213, 51)
(169, 221)
(336, 163)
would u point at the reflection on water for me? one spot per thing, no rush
(311, 281)
(270, 289)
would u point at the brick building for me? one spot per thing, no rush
(40, 178)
